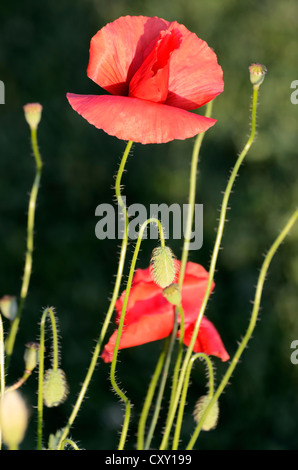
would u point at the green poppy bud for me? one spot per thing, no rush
(55, 388)
(9, 306)
(212, 416)
(163, 266)
(31, 356)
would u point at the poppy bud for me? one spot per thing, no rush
(55, 387)
(172, 294)
(33, 114)
(163, 266)
(212, 416)
(257, 74)
(9, 306)
(31, 356)
(13, 419)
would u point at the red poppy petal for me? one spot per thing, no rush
(207, 341)
(195, 75)
(138, 120)
(193, 290)
(147, 329)
(143, 275)
(197, 270)
(151, 80)
(142, 291)
(119, 48)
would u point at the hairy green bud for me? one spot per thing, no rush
(55, 388)
(163, 266)
(212, 416)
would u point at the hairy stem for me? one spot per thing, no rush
(10, 341)
(119, 392)
(251, 325)
(212, 265)
(115, 294)
(48, 312)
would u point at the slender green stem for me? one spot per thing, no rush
(184, 393)
(192, 197)
(179, 356)
(251, 326)
(150, 395)
(162, 385)
(47, 312)
(115, 294)
(185, 250)
(10, 341)
(2, 371)
(212, 265)
(120, 328)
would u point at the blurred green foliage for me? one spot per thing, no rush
(43, 55)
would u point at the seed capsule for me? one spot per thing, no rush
(172, 294)
(31, 356)
(257, 74)
(33, 114)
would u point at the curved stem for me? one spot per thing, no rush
(20, 382)
(251, 325)
(10, 341)
(120, 327)
(47, 312)
(212, 264)
(184, 393)
(115, 294)
(71, 443)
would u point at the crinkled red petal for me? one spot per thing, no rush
(208, 340)
(138, 120)
(148, 328)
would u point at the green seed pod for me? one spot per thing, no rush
(163, 266)
(13, 419)
(9, 307)
(212, 416)
(31, 356)
(55, 388)
(172, 294)
(257, 74)
(33, 114)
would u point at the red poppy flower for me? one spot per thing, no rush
(156, 71)
(150, 317)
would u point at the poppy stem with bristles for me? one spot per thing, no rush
(214, 257)
(115, 294)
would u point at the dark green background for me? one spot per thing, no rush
(44, 49)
